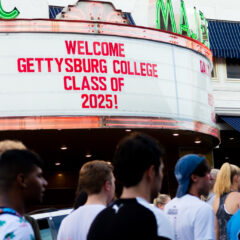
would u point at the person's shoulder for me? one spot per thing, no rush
(205, 205)
(236, 216)
(13, 226)
(234, 219)
(235, 196)
(199, 204)
(81, 212)
(163, 223)
(188, 201)
(155, 210)
(233, 227)
(12, 220)
(172, 202)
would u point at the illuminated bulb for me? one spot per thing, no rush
(128, 130)
(88, 155)
(231, 138)
(176, 134)
(64, 147)
(57, 163)
(197, 141)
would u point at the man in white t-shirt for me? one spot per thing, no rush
(192, 218)
(96, 178)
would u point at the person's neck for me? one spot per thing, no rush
(96, 199)
(136, 191)
(234, 187)
(13, 201)
(194, 192)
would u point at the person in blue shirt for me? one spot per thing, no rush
(233, 227)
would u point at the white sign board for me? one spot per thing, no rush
(50, 74)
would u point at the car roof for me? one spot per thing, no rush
(50, 214)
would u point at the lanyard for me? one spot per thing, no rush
(4, 210)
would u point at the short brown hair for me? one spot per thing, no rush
(93, 175)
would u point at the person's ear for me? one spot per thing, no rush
(107, 186)
(151, 172)
(194, 178)
(21, 180)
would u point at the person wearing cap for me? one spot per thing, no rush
(192, 218)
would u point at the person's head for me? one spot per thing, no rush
(96, 176)
(161, 200)
(10, 145)
(192, 172)
(134, 155)
(213, 177)
(228, 178)
(21, 170)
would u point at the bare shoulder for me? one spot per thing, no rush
(215, 204)
(235, 196)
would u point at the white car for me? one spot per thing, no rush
(49, 222)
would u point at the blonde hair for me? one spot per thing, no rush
(161, 199)
(225, 178)
(11, 145)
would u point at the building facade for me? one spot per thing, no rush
(89, 72)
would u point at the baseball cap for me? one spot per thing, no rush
(183, 170)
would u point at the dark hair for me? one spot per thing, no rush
(133, 156)
(13, 162)
(201, 170)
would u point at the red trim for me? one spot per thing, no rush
(36, 123)
(157, 123)
(103, 28)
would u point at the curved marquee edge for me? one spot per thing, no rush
(87, 27)
(83, 122)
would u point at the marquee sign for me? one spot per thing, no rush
(51, 74)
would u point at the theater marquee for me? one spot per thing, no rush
(48, 74)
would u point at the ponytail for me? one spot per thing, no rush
(223, 181)
(225, 178)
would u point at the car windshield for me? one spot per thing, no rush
(49, 223)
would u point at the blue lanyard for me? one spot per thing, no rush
(4, 210)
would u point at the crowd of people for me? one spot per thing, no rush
(206, 205)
